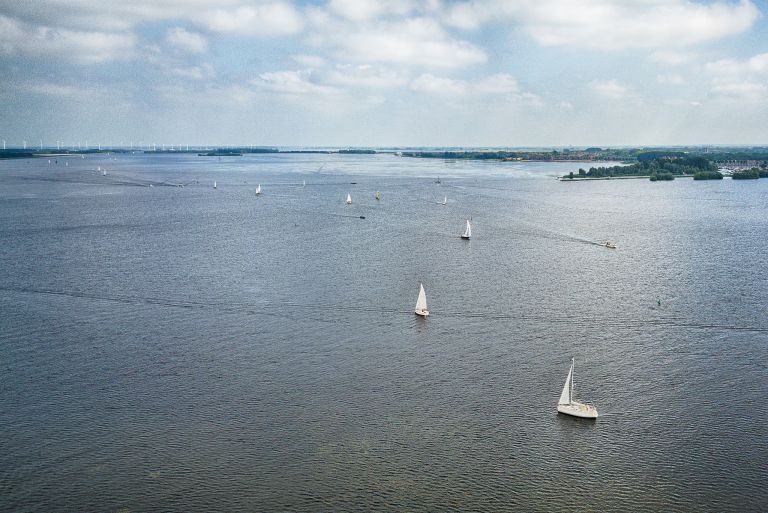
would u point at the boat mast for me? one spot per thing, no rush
(570, 389)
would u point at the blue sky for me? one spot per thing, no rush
(384, 73)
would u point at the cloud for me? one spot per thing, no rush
(257, 18)
(670, 58)
(612, 24)
(190, 42)
(203, 72)
(292, 83)
(309, 61)
(740, 79)
(670, 79)
(18, 38)
(757, 64)
(499, 84)
(263, 20)
(431, 84)
(414, 41)
(366, 76)
(611, 89)
(363, 10)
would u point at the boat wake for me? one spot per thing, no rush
(277, 307)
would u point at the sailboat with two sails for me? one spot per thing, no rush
(568, 406)
(467, 231)
(421, 302)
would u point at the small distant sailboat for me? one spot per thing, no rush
(303, 183)
(445, 200)
(258, 189)
(568, 406)
(467, 232)
(349, 199)
(378, 195)
(421, 302)
(214, 184)
(609, 244)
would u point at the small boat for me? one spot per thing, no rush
(467, 232)
(445, 200)
(609, 244)
(378, 195)
(349, 199)
(214, 184)
(303, 183)
(421, 302)
(568, 406)
(258, 189)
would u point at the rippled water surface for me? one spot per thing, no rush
(188, 348)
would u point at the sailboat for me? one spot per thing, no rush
(567, 405)
(214, 184)
(445, 200)
(467, 231)
(349, 199)
(378, 195)
(421, 302)
(258, 189)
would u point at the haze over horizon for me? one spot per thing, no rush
(390, 73)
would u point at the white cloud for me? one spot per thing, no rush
(363, 10)
(431, 84)
(500, 84)
(292, 83)
(414, 41)
(670, 79)
(757, 64)
(612, 24)
(745, 79)
(611, 89)
(261, 20)
(77, 46)
(190, 42)
(366, 76)
(203, 72)
(309, 61)
(670, 58)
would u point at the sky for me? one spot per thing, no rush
(503, 73)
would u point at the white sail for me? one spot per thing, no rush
(258, 189)
(214, 184)
(565, 397)
(349, 199)
(445, 200)
(421, 302)
(467, 231)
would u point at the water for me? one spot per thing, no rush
(189, 349)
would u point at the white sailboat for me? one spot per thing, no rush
(349, 199)
(568, 406)
(467, 231)
(258, 189)
(445, 200)
(214, 184)
(378, 195)
(421, 302)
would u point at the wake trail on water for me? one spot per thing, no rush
(340, 309)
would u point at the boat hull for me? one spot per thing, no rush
(422, 313)
(464, 237)
(583, 411)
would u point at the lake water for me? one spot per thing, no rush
(197, 349)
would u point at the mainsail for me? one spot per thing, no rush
(565, 397)
(421, 302)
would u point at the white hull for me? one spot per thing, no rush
(422, 313)
(583, 411)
